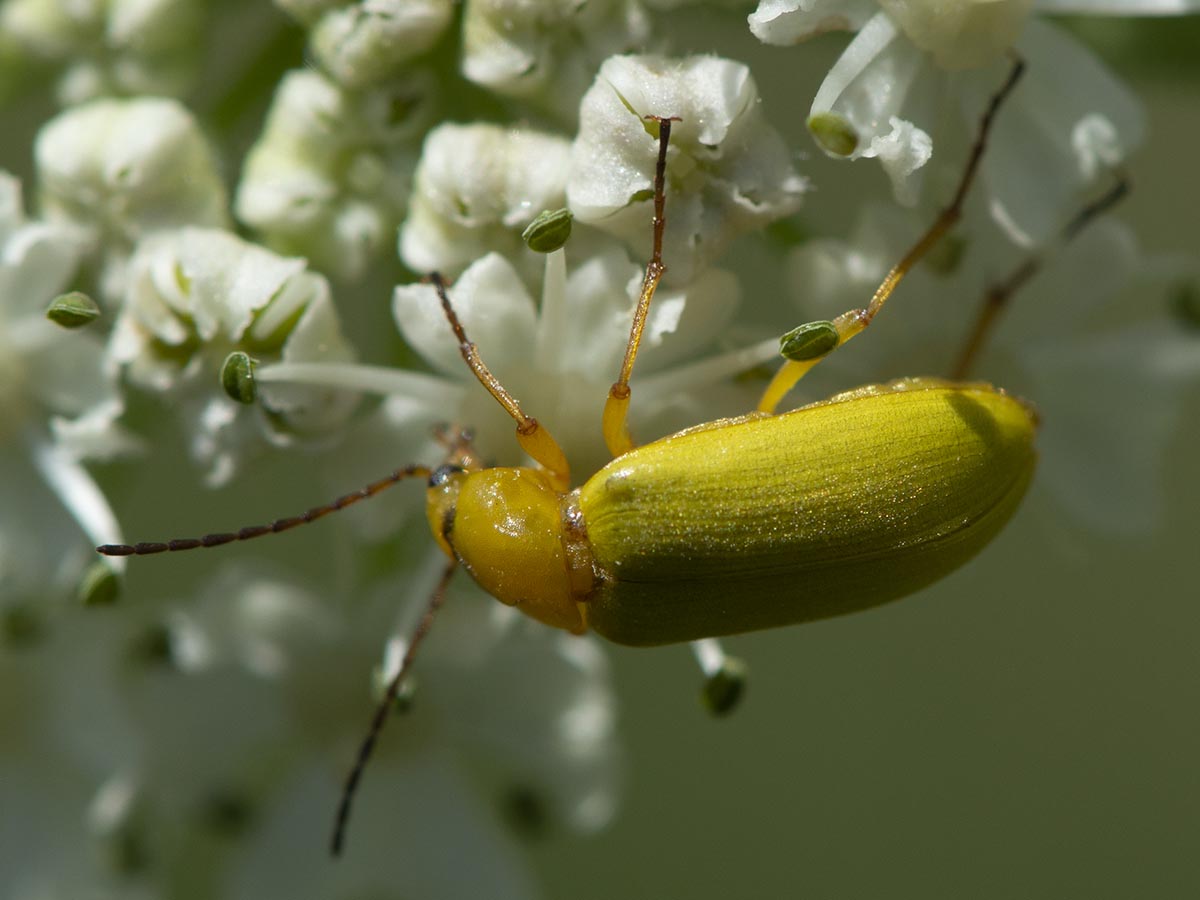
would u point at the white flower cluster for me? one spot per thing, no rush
(159, 339)
(105, 47)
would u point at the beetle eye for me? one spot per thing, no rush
(442, 474)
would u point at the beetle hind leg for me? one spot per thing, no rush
(998, 295)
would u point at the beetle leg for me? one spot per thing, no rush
(385, 705)
(854, 321)
(616, 408)
(533, 438)
(998, 294)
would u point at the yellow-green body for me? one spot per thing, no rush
(826, 510)
(757, 522)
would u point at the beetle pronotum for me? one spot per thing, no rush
(730, 526)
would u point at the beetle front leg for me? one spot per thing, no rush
(616, 408)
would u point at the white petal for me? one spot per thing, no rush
(784, 22)
(79, 494)
(902, 152)
(1086, 280)
(95, 434)
(213, 277)
(601, 302)
(365, 42)
(880, 79)
(128, 167)
(66, 373)
(36, 263)
(960, 34)
(476, 188)
(329, 176)
(547, 51)
(493, 306)
(1054, 134)
(728, 169)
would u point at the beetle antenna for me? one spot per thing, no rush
(381, 711)
(616, 408)
(216, 539)
(999, 294)
(533, 438)
(854, 321)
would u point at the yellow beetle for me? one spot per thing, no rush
(749, 523)
(746, 523)
(731, 526)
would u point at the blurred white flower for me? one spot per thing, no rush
(916, 79)
(475, 189)
(123, 169)
(57, 407)
(193, 296)
(547, 51)
(785, 22)
(364, 42)
(728, 169)
(552, 728)
(329, 177)
(108, 47)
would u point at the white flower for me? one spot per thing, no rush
(728, 170)
(195, 295)
(784, 22)
(960, 34)
(362, 43)
(1065, 125)
(475, 189)
(123, 169)
(560, 359)
(106, 48)
(57, 406)
(328, 179)
(552, 728)
(547, 51)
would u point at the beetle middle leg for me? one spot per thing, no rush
(828, 336)
(997, 296)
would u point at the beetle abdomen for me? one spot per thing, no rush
(826, 510)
